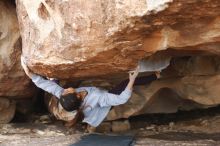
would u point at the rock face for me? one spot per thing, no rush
(188, 83)
(72, 39)
(7, 110)
(104, 39)
(13, 81)
(14, 85)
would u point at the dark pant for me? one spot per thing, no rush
(138, 81)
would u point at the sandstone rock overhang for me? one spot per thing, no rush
(84, 39)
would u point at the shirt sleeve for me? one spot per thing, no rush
(47, 85)
(109, 99)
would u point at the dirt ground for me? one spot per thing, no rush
(197, 128)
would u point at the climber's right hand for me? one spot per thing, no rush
(134, 74)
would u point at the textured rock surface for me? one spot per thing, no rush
(188, 83)
(7, 110)
(105, 39)
(120, 126)
(14, 84)
(72, 39)
(13, 81)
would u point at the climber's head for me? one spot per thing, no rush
(71, 100)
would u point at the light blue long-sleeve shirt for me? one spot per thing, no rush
(97, 102)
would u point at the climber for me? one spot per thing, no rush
(89, 104)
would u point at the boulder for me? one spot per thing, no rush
(85, 39)
(80, 40)
(121, 126)
(7, 110)
(14, 84)
(13, 81)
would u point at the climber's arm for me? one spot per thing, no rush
(42, 83)
(109, 99)
(132, 77)
(47, 85)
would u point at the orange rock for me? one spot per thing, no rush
(72, 39)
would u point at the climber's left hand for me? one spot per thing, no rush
(26, 69)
